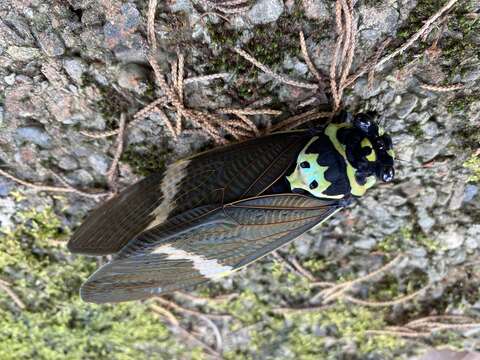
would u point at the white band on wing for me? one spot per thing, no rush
(210, 268)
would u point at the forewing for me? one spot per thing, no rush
(215, 244)
(216, 177)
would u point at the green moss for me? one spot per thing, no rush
(390, 287)
(37, 229)
(453, 47)
(461, 292)
(221, 35)
(468, 136)
(80, 331)
(389, 244)
(145, 159)
(460, 47)
(374, 3)
(461, 103)
(473, 165)
(396, 242)
(315, 265)
(55, 324)
(224, 39)
(426, 8)
(385, 289)
(418, 238)
(416, 130)
(422, 11)
(407, 238)
(298, 333)
(269, 44)
(248, 307)
(431, 245)
(352, 323)
(110, 104)
(293, 285)
(461, 22)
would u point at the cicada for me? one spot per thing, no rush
(214, 213)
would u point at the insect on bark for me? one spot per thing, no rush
(214, 213)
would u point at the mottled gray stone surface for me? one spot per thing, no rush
(265, 11)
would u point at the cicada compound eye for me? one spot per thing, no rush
(387, 174)
(365, 123)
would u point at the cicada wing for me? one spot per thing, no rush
(166, 258)
(214, 177)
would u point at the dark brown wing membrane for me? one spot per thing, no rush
(215, 177)
(114, 223)
(207, 247)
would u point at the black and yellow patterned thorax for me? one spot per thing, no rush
(345, 159)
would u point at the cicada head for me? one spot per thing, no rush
(345, 159)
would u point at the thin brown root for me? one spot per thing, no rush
(167, 122)
(179, 88)
(342, 58)
(371, 72)
(307, 274)
(322, 284)
(5, 286)
(212, 13)
(175, 306)
(297, 120)
(249, 123)
(423, 30)
(141, 114)
(152, 6)
(411, 41)
(185, 333)
(349, 45)
(99, 135)
(442, 88)
(336, 54)
(339, 290)
(285, 262)
(74, 190)
(228, 6)
(249, 111)
(205, 78)
(308, 60)
(138, 116)
(307, 102)
(400, 300)
(427, 326)
(281, 78)
(204, 300)
(299, 310)
(164, 312)
(407, 334)
(199, 342)
(216, 332)
(369, 65)
(437, 318)
(67, 189)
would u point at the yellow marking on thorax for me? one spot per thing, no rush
(356, 188)
(297, 181)
(366, 143)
